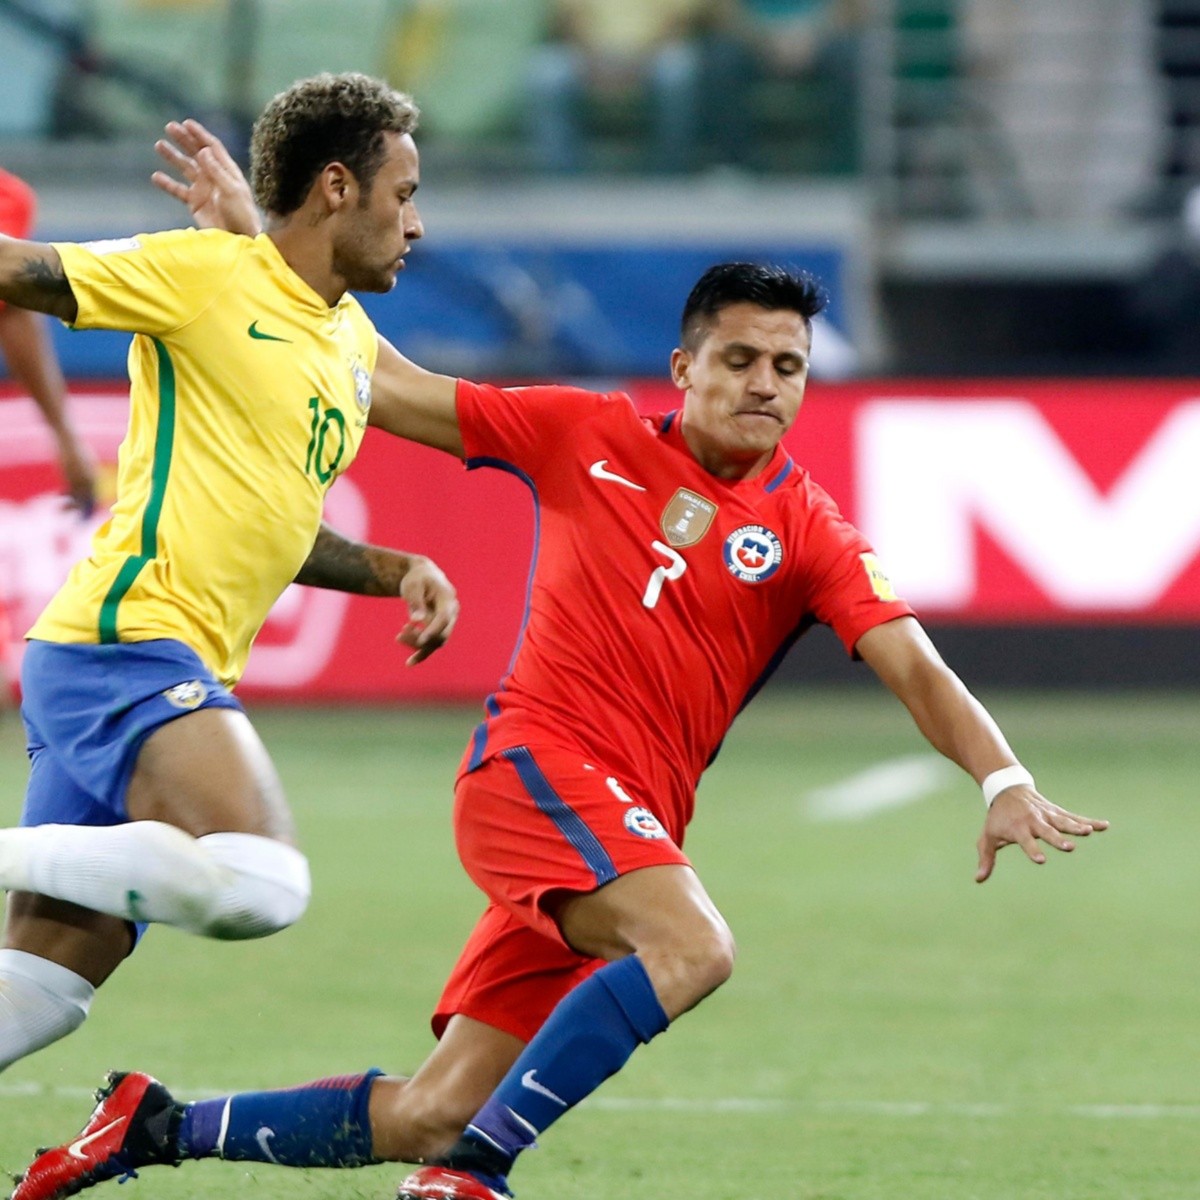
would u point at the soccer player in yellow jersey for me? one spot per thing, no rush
(151, 798)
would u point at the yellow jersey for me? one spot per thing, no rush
(248, 397)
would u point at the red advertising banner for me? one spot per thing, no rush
(316, 643)
(988, 501)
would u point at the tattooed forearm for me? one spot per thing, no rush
(32, 276)
(345, 566)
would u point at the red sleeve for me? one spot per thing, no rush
(520, 426)
(849, 590)
(18, 206)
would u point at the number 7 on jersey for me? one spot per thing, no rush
(659, 576)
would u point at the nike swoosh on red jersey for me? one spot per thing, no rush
(597, 471)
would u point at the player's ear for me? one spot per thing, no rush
(681, 365)
(337, 184)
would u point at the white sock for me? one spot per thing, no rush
(225, 885)
(40, 1002)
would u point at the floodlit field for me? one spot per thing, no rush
(893, 1031)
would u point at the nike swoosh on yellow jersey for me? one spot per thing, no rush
(254, 332)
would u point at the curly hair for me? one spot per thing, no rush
(770, 287)
(318, 121)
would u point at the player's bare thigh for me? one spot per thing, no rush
(414, 1120)
(208, 772)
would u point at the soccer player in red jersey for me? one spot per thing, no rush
(27, 351)
(678, 556)
(25, 347)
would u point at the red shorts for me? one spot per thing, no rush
(535, 825)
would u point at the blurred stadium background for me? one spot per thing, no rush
(1001, 198)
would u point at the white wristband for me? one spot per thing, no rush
(1006, 777)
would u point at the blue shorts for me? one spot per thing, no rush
(87, 711)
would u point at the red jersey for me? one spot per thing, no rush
(17, 206)
(661, 597)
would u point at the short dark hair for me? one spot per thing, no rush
(318, 121)
(770, 287)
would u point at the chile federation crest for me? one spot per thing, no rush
(753, 553)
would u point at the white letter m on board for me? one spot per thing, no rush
(931, 472)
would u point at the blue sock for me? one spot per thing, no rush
(321, 1124)
(589, 1036)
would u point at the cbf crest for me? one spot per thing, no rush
(753, 553)
(687, 518)
(362, 385)
(187, 696)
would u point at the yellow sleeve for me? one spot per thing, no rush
(154, 283)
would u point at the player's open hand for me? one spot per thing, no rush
(1023, 817)
(79, 471)
(211, 184)
(432, 608)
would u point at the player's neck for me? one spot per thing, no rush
(720, 461)
(309, 256)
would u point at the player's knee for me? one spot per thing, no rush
(704, 951)
(264, 886)
(40, 1002)
(713, 956)
(177, 882)
(692, 964)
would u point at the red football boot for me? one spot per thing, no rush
(133, 1125)
(444, 1183)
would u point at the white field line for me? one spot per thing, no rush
(896, 1108)
(891, 784)
(750, 1106)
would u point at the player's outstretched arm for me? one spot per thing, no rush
(336, 562)
(414, 403)
(957, 725)
(209, 182)
(32, 276)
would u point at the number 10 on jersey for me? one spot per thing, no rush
(319, 436)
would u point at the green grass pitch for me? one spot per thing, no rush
(892, 1032)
